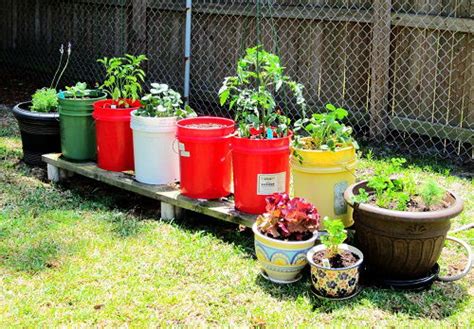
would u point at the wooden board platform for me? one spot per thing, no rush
(168, 194)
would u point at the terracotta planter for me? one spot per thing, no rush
(335, 282)
(281, 261)
(400, 244)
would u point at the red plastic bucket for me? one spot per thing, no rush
(261, 168)
(205, 157)
(114, 135)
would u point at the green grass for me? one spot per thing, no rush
(85, 254)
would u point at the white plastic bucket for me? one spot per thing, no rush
(156, 160)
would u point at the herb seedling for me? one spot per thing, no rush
(336, 235)
(163, 102)
(325, 130)
(431, 193)
(123, 78)
(78, 91)
(251, 93)
(393, 191)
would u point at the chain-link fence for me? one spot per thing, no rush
(403, 68)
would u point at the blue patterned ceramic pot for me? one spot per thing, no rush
(281, 261)
(335, 282)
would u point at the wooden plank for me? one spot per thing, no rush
(432, 130)
(433, 22)
(380, 67)
(312, 13)
(223, 210)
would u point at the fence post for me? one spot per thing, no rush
(138, 24)
(380, 65)
(187, 50)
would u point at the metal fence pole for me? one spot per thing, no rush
(187, 50)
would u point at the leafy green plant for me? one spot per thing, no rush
(123, 78)
(393, 191)
(362, 197)
(78, 91)
(431, 193)
(336, 235)
(44, 100)
(162, 101)
(288, 219)
(251, 93)
(325, 130)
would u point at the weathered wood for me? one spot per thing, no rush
(380, 66)
(331, 14)
(169, 194)
(433, 22)
(432, 130)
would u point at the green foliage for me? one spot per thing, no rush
(362, 197)
(431, 193)
(336, 235)
(163, 102)
(393, 190)
(251, 93)
(123, 78)
(326, 130)
(44, 100)
(77, 91)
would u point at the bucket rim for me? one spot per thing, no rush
(342, 149)
(183, 123)
(150, 119)
(344, 246)
(289, 243)
(22, 111)
(405, 216)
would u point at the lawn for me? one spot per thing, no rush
(85, 254)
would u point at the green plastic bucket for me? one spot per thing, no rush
(78, 141)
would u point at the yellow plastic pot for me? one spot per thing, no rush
(322, 177)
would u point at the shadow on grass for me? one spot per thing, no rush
(439, 302)
(84, 194)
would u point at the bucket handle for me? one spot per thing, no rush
(466, 269)
(173, 146)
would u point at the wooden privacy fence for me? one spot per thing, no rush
(403, 68)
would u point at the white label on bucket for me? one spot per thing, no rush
(340, 206)
(182, 151)
(268, 184)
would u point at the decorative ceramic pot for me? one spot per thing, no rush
(335, 282)
(281, 261)
(400, 244)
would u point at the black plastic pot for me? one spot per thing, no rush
(39, 133)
